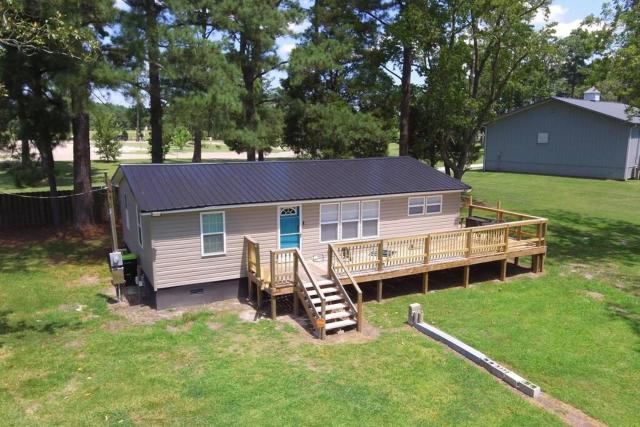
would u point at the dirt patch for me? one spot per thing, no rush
(567, 413)
(143, 314)
(74, 344)
(214, 326)
(594, 295)
(174, 329)
(86, 280)
(304, 333)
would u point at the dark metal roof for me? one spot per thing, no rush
(164, 187)
(616, 110)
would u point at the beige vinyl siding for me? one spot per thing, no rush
(177, 243)
(394, 221)
(130, 235)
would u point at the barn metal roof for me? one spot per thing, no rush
(166, 187)
(616, 110)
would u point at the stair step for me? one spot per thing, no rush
(320, 283)
(328, 290)
(333, 306)
(337, 315)
(340, 324)
(316, 301)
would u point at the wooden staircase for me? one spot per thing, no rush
(339, 311)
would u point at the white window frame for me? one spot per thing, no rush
(224, 234)
(299, 207)
(363, 219)
(543, 138)
(139, 227)
(422, 200)
(357, 221)
(427, 204)
(337, 222)
(126, 212)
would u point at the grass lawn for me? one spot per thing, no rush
(65, 358)
(575, 331)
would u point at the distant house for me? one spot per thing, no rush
(566, 136)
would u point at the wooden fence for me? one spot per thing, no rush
(34, 209)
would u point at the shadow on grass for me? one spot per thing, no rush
(439, 280)
(49, 327)
(588, 239)
(23, 252)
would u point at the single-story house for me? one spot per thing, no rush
(566, 136)
(188, 222)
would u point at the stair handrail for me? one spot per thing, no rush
(333, 255)
(323, 301)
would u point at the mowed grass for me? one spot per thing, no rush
(576, 330)
(66, 359)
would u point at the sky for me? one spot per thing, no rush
(567, 13)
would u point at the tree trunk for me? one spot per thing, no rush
(405, 101)
(25, 152)
(82, 203)
(197, 146)
(46, 153)
(155, 99)
(251, 154)
(139, 136)
(261, 155)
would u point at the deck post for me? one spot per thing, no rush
(379, 296)
(296, 302)
(466, 276)
(380, 254)
(516, 260)
(534, 263)
(273, 307)
(427, 247)
(425, 282)
(503, 270)
(258, 296)
(541, 266)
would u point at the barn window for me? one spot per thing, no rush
(543, 137)
(212, 228)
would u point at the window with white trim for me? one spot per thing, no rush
(543, 137)
(126, 211)
(212, 228)
(434, 205)
(350, 220)
(329, 214)
(139, 225)
(370, 218)
(416, 206)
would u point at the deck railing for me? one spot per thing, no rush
(499, 238)
(339, 270)
(253, 258)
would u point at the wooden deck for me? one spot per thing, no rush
(507, 235)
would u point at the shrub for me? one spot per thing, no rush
(179, 137)
(106, 135)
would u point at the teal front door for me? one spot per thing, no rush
(289, 218)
